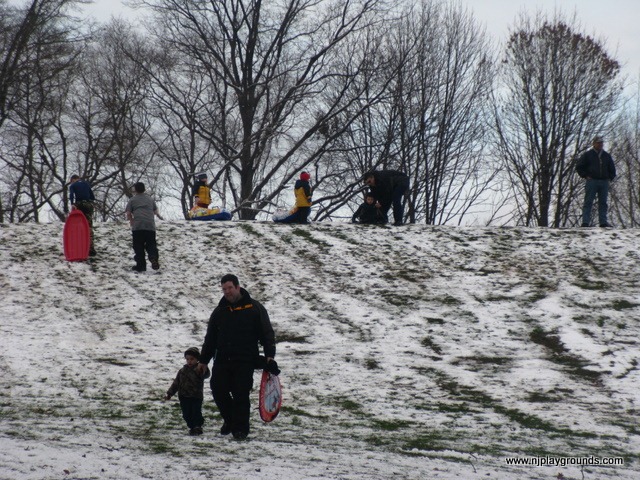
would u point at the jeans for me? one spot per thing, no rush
(592, 188)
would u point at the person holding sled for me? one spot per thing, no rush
(81, 197)
(302, 191)
(189, 384)
(388, 187)
(236, 327)
(201, 191)
(369, 213)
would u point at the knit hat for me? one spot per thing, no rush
(193, 351)
(305, 176)
(202, 176)
(598, 139)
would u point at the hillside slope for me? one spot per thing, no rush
(414, 352)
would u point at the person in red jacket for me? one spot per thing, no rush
(237, 325)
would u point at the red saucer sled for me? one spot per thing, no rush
(270, 396)
(76, 237)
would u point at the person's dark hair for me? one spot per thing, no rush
(139, 187)
(75, 177)
(369, 194)
(368, 174)
(230, 278)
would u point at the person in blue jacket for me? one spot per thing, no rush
(597, 168)
(81, 197)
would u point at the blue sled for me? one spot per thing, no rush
(215, 216)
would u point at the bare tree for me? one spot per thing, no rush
(431, 123)
(625, 196)
(266, 65)
(558, 89)
(35, 75)
(111, 120)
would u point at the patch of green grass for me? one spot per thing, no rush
(429, 441)
(132, 325)
(390, 425)
(349, 405)
(624, 305)
(429, 343)
(541, 397)
(371, 364)
(291, 337)
(306, 234)
(112, 361)
(592, 285)
(560, 354)
(449, 300)
(437, 321)
(547, 339)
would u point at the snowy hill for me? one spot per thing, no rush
(412, 353)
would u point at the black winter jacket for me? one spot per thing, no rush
(598, 166)
(234, 331)
(369, 213)
(386, 182)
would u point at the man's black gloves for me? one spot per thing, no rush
(272, 368)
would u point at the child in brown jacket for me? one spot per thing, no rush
(189, 385)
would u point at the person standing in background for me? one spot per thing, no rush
(140, 211)
(597, 168)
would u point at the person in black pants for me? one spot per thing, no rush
(188, 384)
(388, 187)
(235, 328)
(140, 211)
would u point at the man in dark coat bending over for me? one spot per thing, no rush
(388, 187)
(235, 327)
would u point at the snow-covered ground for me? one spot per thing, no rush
(412, 353)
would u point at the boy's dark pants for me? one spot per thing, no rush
(191, 411)
(86, 207)
(144, 240)
(231, 384)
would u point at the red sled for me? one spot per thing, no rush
(76, 237)
(270, 396)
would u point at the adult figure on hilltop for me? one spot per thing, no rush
(81, 197)
(235, 328)
(597, 168)
(388, 188)
(140, 211)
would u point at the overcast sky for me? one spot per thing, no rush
(615, 21)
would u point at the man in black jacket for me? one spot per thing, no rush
(596, 166)
(388, 187)
(235, 327)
